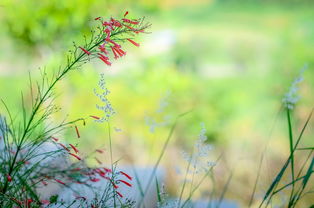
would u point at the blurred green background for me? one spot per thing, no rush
(228, 62)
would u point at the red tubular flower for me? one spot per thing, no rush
(102, 48)
(126, 13)
(85, 51)
(9, 178)
(126, 183)
(131, 28)
(45, 201)
(57, 180)
(119, 194)
(108, 170)
(116, 45)
(29, 201)
(44, 183)
(126, 175)
(108, 32)
(104, 59)
(77, 132)
(55, 139)
(74, 148)
(95, 117)
(94, 180)
(133, 42)
(97, 18)
(114, 53)
(131, 21)
(99, 150)
(64, 147)
(77, 157)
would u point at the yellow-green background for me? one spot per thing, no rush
(229, 62)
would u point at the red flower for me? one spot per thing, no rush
(45, 201)
(108, 170)
(94, 179)
(119, 194)
(74, 148)
(102, 48)
(59, 181)
(55, 139)
(104, 59)
(126, 13)
(99, 150)
(130, 21)
(77, 157)
(95, 117)
(64, 147)
(133, 42)
(126, 183)
(126, 175)
(114, 53)
(9, 178)
(77, 132)
(44, 183)
(85, 51)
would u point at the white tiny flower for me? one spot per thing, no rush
(291, 97)
(106, 107)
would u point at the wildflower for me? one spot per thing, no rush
(59, 181)
(85, 51)
(198, 159)
(114, 52)
(106, 108)
(94, 179)
(97, 18)
(77, 132)
(77, 157)
(9, 178)
(133, 42)
(104, 59)
(55, 139)
(44, 183)
(130, 21)
(103, 49)
(64, 147)
(45, 201)
(74, 148)
(119, 194)
(29, 201)
(99, 151)
(126, 183)
(291, 97)
(126, 13)
(108, 170)
(126, 175)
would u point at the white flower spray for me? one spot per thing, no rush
(292, 97)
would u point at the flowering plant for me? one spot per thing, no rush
(28, 142)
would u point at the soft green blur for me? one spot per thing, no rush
(227, 62)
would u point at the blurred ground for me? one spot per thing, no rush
(227, 62)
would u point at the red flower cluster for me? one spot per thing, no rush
(110, 28)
